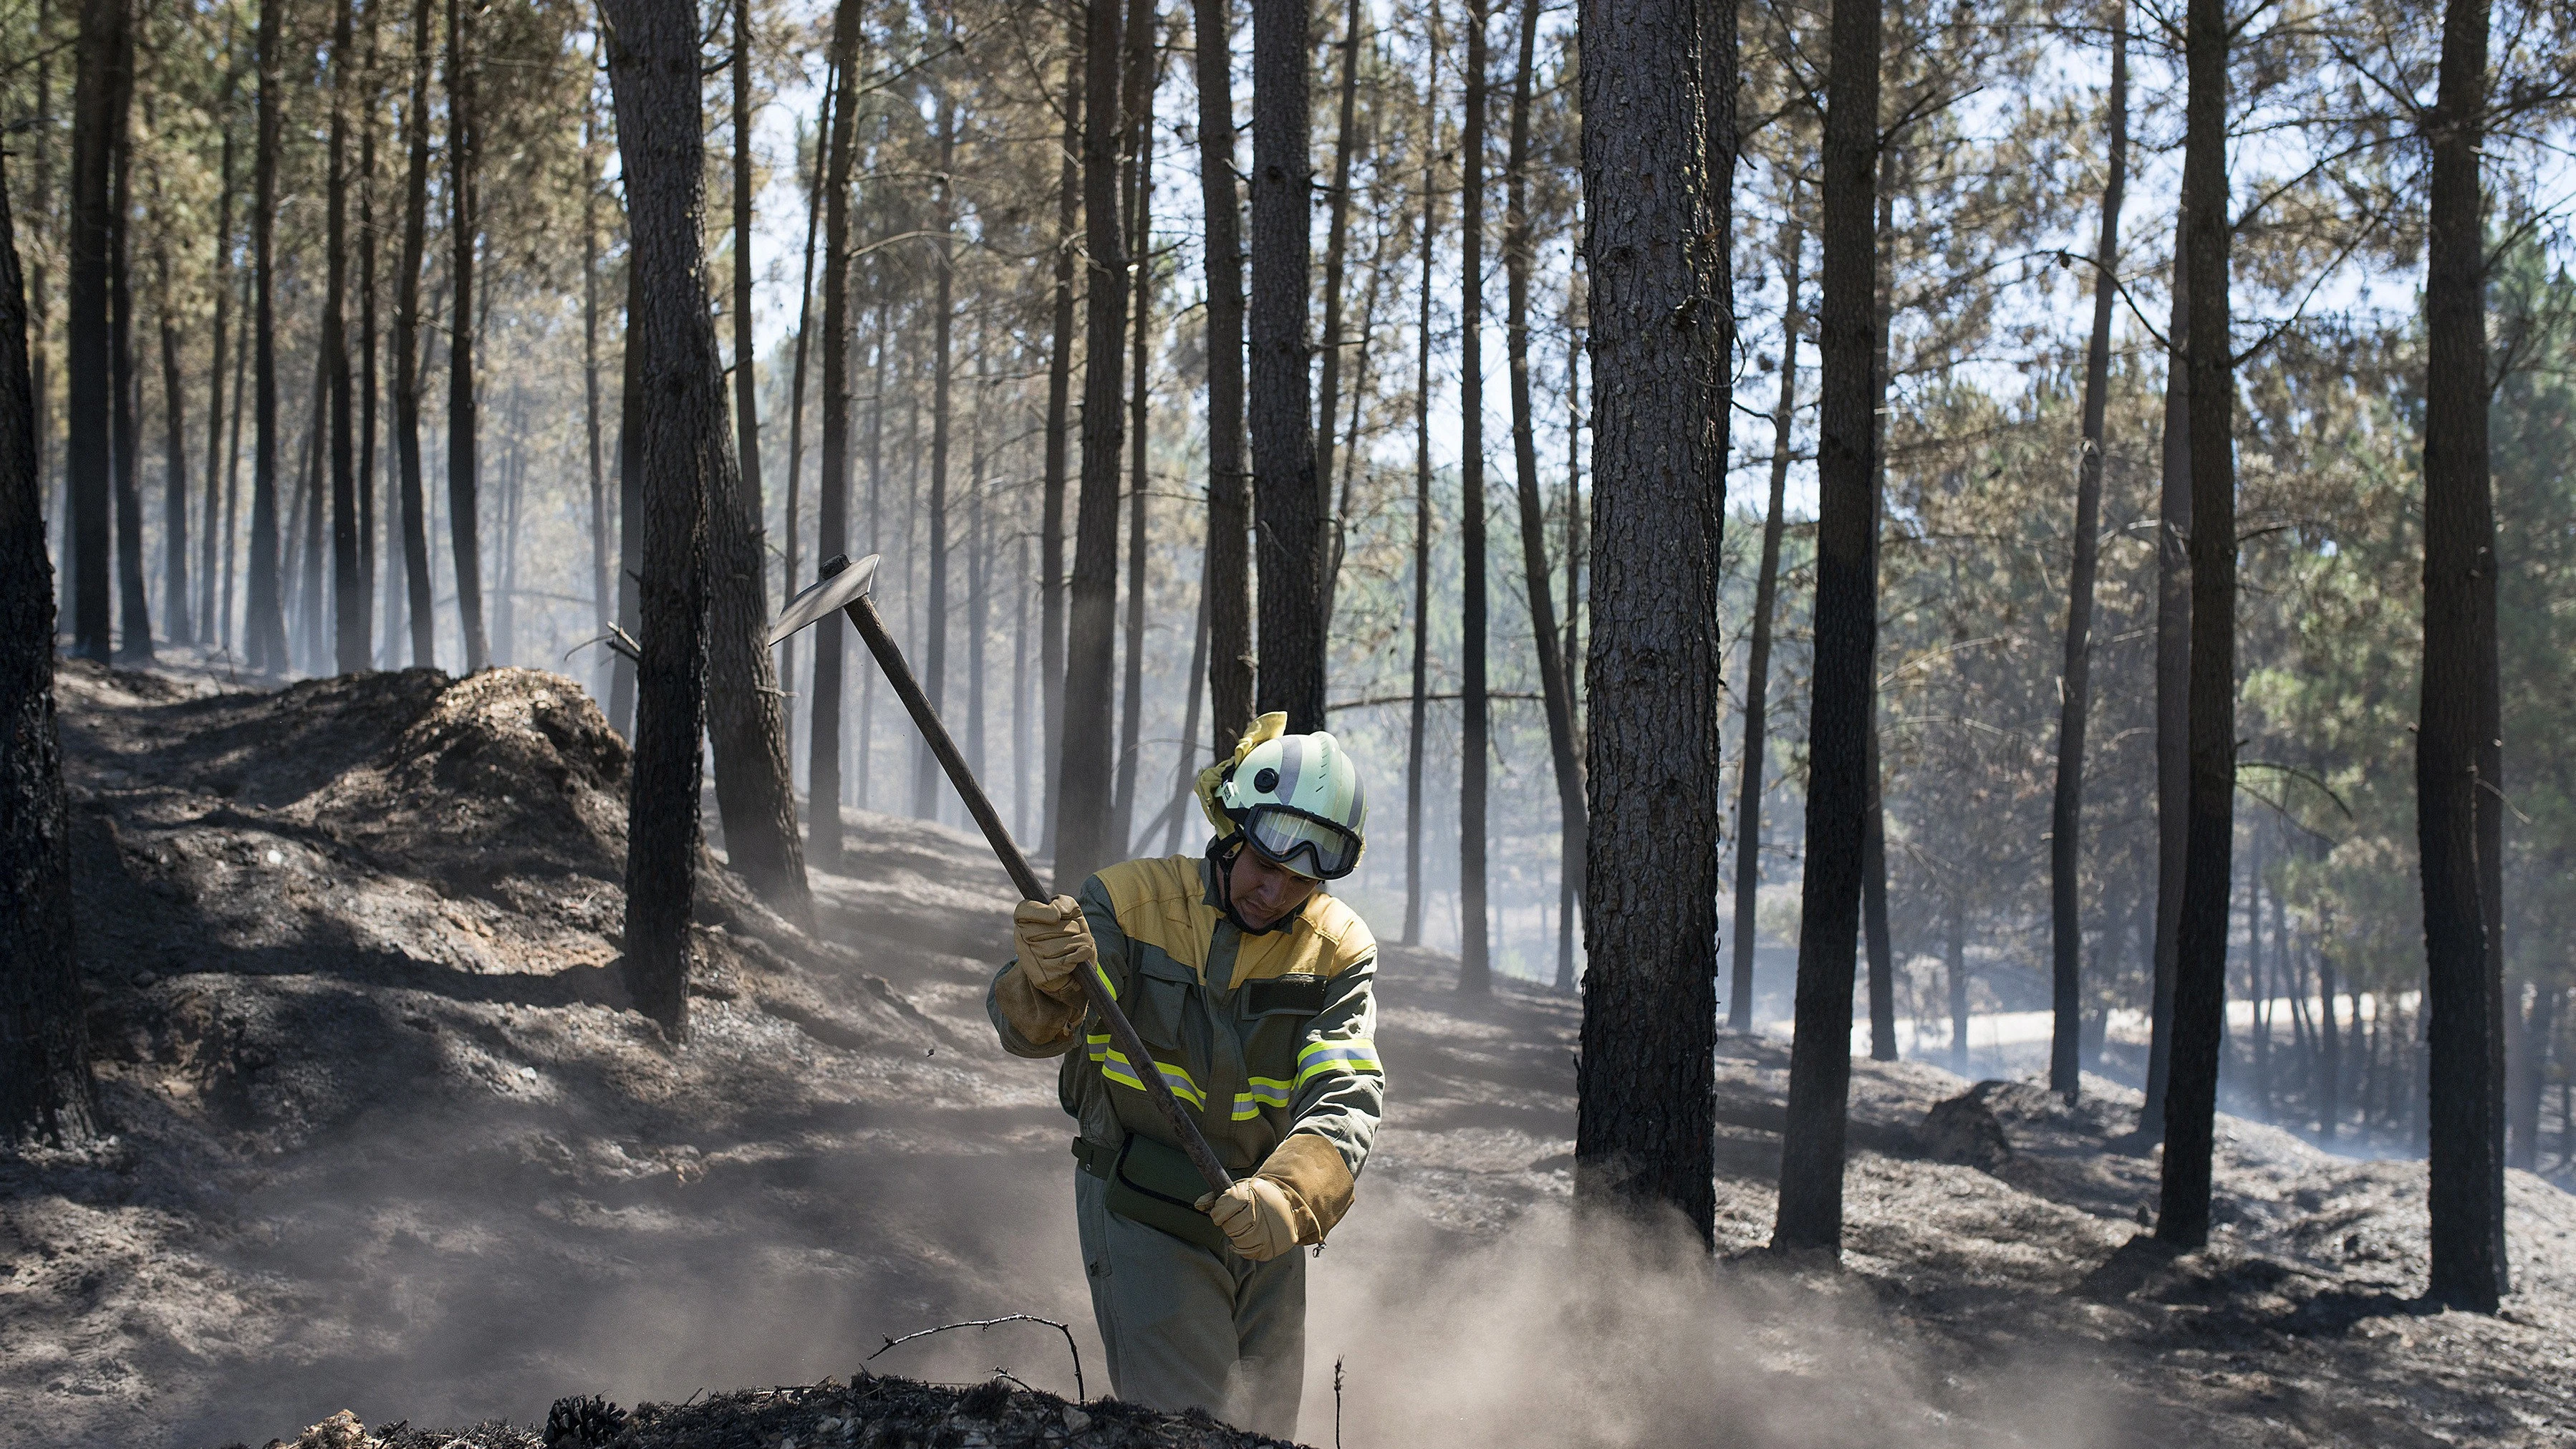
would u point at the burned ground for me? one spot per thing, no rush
(389, 1140)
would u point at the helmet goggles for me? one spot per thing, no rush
(1280, 834)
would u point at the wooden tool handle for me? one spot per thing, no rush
(863, 615)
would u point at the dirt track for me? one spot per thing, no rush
(391, 1142)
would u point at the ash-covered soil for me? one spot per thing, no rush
(391, 1142)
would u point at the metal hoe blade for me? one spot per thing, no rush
(829, 594)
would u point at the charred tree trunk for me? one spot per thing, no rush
(1337, 231)
(1519, 258)
(174, 468)
(2066, 817)
(1568, 909)
(133, 603)
(1417, 727)
(1956, 959)
(407, 352)
(1143, 78)
(1645, 1137)
(45, 1090)
(1846, 645)
(1084, 765)
(349, 631)
(1286, 501)
(688, 461)
(832, 490)
(1226, 580)
(746, 355)
(2200, 975)
(214, 626)
(368, 378)
(1757, 672)
(1068, 207)
(2173, 683)
(463, 229)
(602, 608)
(1475, 747)
(264, 630)
(2458, 758)
(796, 391)
(630, 503)
(926, 779)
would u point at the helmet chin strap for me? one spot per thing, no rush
(1221, 852)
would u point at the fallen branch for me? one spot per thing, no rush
(1080, 1394)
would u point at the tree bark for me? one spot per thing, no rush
(133, 604)
(349, 612)
(1416, 729)
(1287, 505)
(2173, 684)
(1956, 959)
(2066, 816)
(746, 354)
(1475, 748)
(1143, 79)
(1846, 643)
(602, 608)
(174, 467)
(1655, 193)
(1519, 258)
(2200, 975)
(688, 460)
(1337, 230)
(213, 617)
(630, 503)
(264, 630)
(1226, 577)
(46, 1094)
(1068, 206)
(2458, 756)
(407, 353)
(368, 379)
(462, 232)
(796, 389)
(1568, 866)
(832, 489)
(1084, 764)
(1757, 671)
(926, 778)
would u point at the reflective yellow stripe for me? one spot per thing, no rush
(1105, 983)
(1116, 1067)
(1264, 1092)
(1326, 1057)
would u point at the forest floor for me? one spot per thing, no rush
(390, 1141)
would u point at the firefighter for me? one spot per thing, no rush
(1251, 984)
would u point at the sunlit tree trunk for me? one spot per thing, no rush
(1337, 231)
(407, 353)
(1068, 207)
(1143, 79)
(1475, 747)
(926, 781)
(1226, 580)
(349, 603)
(264, 627)
(1288, 505)
(832, 490)
(133, 600)
(1757, 672)
(1417, 726)
(2173, 684)
(463, 232)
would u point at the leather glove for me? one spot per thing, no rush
(1054, 941)
(1256, 1217)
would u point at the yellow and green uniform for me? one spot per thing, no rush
(1262, 1038)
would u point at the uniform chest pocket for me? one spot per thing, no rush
(1275, 1015)
(1160, 1002)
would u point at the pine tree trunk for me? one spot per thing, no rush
(2530, 1074)
(1068, 204)
(264, 630)
(1328, 393)
(1084, 764)
(794, 511)
(349, 634)
(1846, 644)
(133, 603)
(2066, 816)
(746, 354)
(1757, 673)
(1226, 578)
(1287, 505)
(1956, 959)
(1873, 900)
(45, 1090)
(2329, 1052)
(312, 611)
(407, 354)
(2173, 684)
(174, 470)
(463, 228)
(602, 607)
(1568, 866)
(1475, 747)
(630, 505)
(1519, 258)
(2200, 974)
(926, 778)
(1417, 727)
(232, 483)
(368, 380)
(2458, 776)
(832, 490)
(1144, 79)
(688, 462)
(214, 626)
(1645, 1136)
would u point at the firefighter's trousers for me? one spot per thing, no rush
(1188, 1326)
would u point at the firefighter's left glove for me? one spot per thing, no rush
(1055, 943)
(1257, 1217)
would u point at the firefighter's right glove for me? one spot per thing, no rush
(1256, 1217)
(1055, 943)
